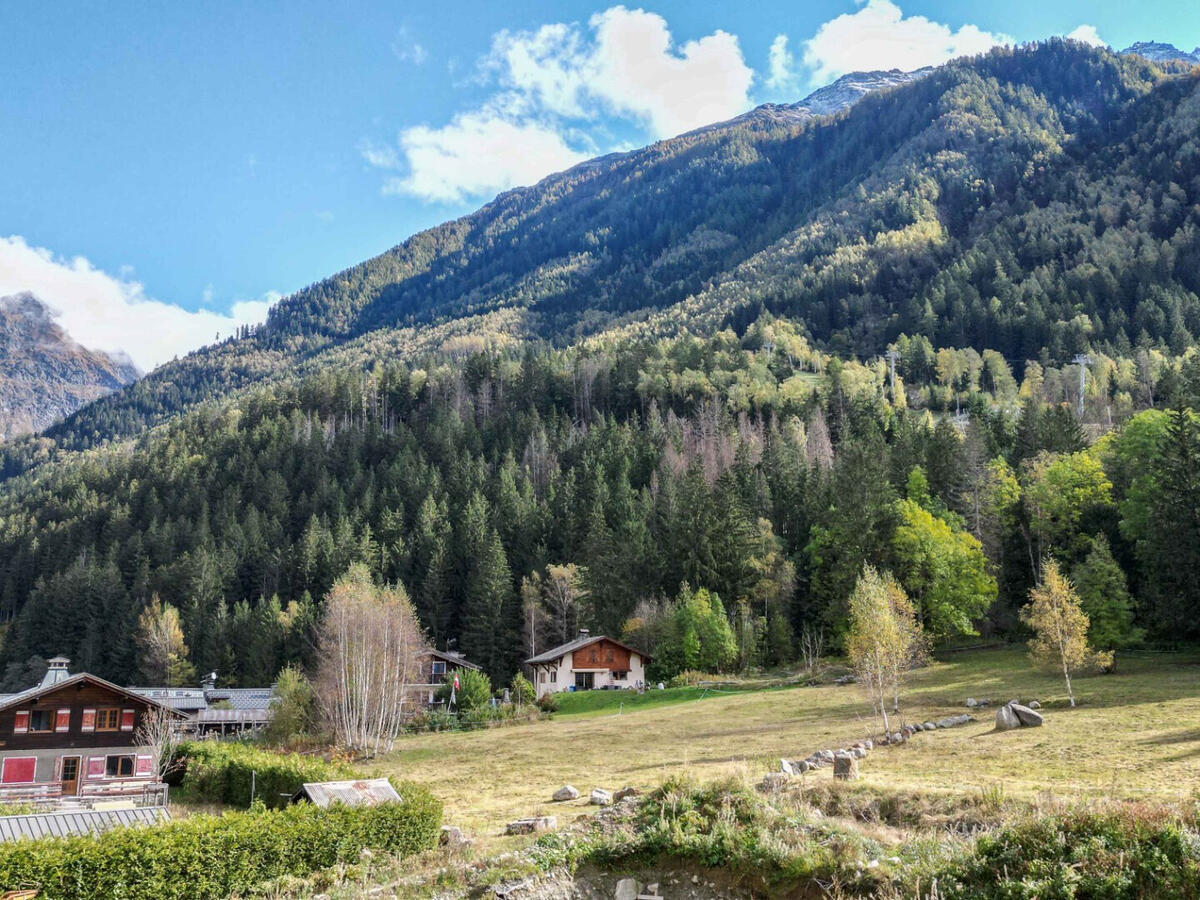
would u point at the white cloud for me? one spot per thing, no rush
(1088, 35)
(552, 81)
(113, 313)
(478, 153)
(636, 69)
(880, 36)
(781, 65)
(407, 49)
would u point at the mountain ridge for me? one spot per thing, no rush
(639, 240)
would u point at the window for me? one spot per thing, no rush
(108, 719)
(18, 770)
(620, 676)
(554, 674)
(543, 677)
(41, 720)
(116, 766)
(439, 667)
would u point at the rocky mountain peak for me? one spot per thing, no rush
(44, 373)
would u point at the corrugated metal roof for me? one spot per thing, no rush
(249, 698)
(233, 715)
(81, 821)
(369, 792)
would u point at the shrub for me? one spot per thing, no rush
(220, 772)
(292, 708)
(548, 702)
(205, 857)
(521, 690)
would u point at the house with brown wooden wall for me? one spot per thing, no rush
(74, 735)
(590, 662)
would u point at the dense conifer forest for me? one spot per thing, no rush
(659, 376)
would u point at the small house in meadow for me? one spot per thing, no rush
(590, 662)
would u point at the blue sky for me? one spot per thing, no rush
(169, 169)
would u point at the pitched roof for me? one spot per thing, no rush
(454, 658)
(561, 651)
(35, 692)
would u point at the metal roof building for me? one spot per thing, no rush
(81, 821)
(365, 792)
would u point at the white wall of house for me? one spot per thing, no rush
(561, 676)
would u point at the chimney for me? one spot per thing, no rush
(56, 671)
(584, 634)
(210, 682)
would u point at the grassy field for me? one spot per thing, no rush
(1135, 733)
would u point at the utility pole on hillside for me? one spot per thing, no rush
(1082, 360)
(892, 356)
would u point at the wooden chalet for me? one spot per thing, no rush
(438, 667)
(74, 736)
(590, 662)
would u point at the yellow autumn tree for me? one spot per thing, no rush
(885, 638)
(1060, 626)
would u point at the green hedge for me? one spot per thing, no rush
(220, 772)
(206, 856)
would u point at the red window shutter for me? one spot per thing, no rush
(127, 720)
(21, 722)
(18, 770)
(62, 720)
(95, 767)
(89, 720)
(145, 765)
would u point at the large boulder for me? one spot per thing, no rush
(1006, 719)
(600, 797)
(627, 889)
(845, 766)
(566, 792)
(1027, 717)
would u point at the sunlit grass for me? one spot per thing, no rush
(1135, 734)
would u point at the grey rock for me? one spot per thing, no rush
(858, 752)
(786, 767)
(1027, 717)
(772, 782)
(845, 767)
(1006, 719)
(972, 702)
(1033, 704)
(531, 825)
(627, 889)
(452, 837)
(929, 726)
(600, 797)
(566, 792)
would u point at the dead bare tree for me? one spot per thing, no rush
(371, 647)
(812, 646)
(160, 730)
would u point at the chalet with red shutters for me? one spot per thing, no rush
(588, 663)
(74, 735)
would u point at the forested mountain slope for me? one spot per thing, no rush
(657, 373)
(1043, 197)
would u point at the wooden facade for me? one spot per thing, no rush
(603, 655)
(76, 737)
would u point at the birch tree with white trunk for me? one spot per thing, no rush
(371, 650)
